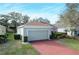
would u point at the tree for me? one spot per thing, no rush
(25, 19)
(14, 25)
(40, 19)
(17, 19)
(16, 16)
(4, 20)
(71, 17)
(13, 19)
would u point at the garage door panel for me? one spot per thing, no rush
(37, 35)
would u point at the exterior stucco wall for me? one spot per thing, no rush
(25, 30)
(20, 31)
(61, 30)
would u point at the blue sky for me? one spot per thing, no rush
(50, 11)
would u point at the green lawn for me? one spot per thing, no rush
(10, 36)
(15, 47)
(71, 43)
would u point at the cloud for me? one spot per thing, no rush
(50, 12)
(53, 9)
(52, 18)
(8, 7)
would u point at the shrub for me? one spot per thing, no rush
(3, 36)
(17, 36)
(51, 37)
(3, 39)
(57, 35)
(60, 35)
(25, 38)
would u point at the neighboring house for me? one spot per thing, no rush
(2, 30)
(53, 28)
(62, 28)
(77, 31)
(71, 31)
(65, 30)
(35, 31)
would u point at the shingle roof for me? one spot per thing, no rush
(37, 24)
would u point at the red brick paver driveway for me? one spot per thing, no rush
(53, 48)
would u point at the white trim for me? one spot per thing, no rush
(22, 35)
(25, 43)
(20, 26)
(34, 26)
(27, 32)
(37, 26)
(49, 32)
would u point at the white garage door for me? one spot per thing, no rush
(37, 35)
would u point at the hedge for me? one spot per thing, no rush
(3, 39)
(25, 38)
(17, 36)
(57, 35)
